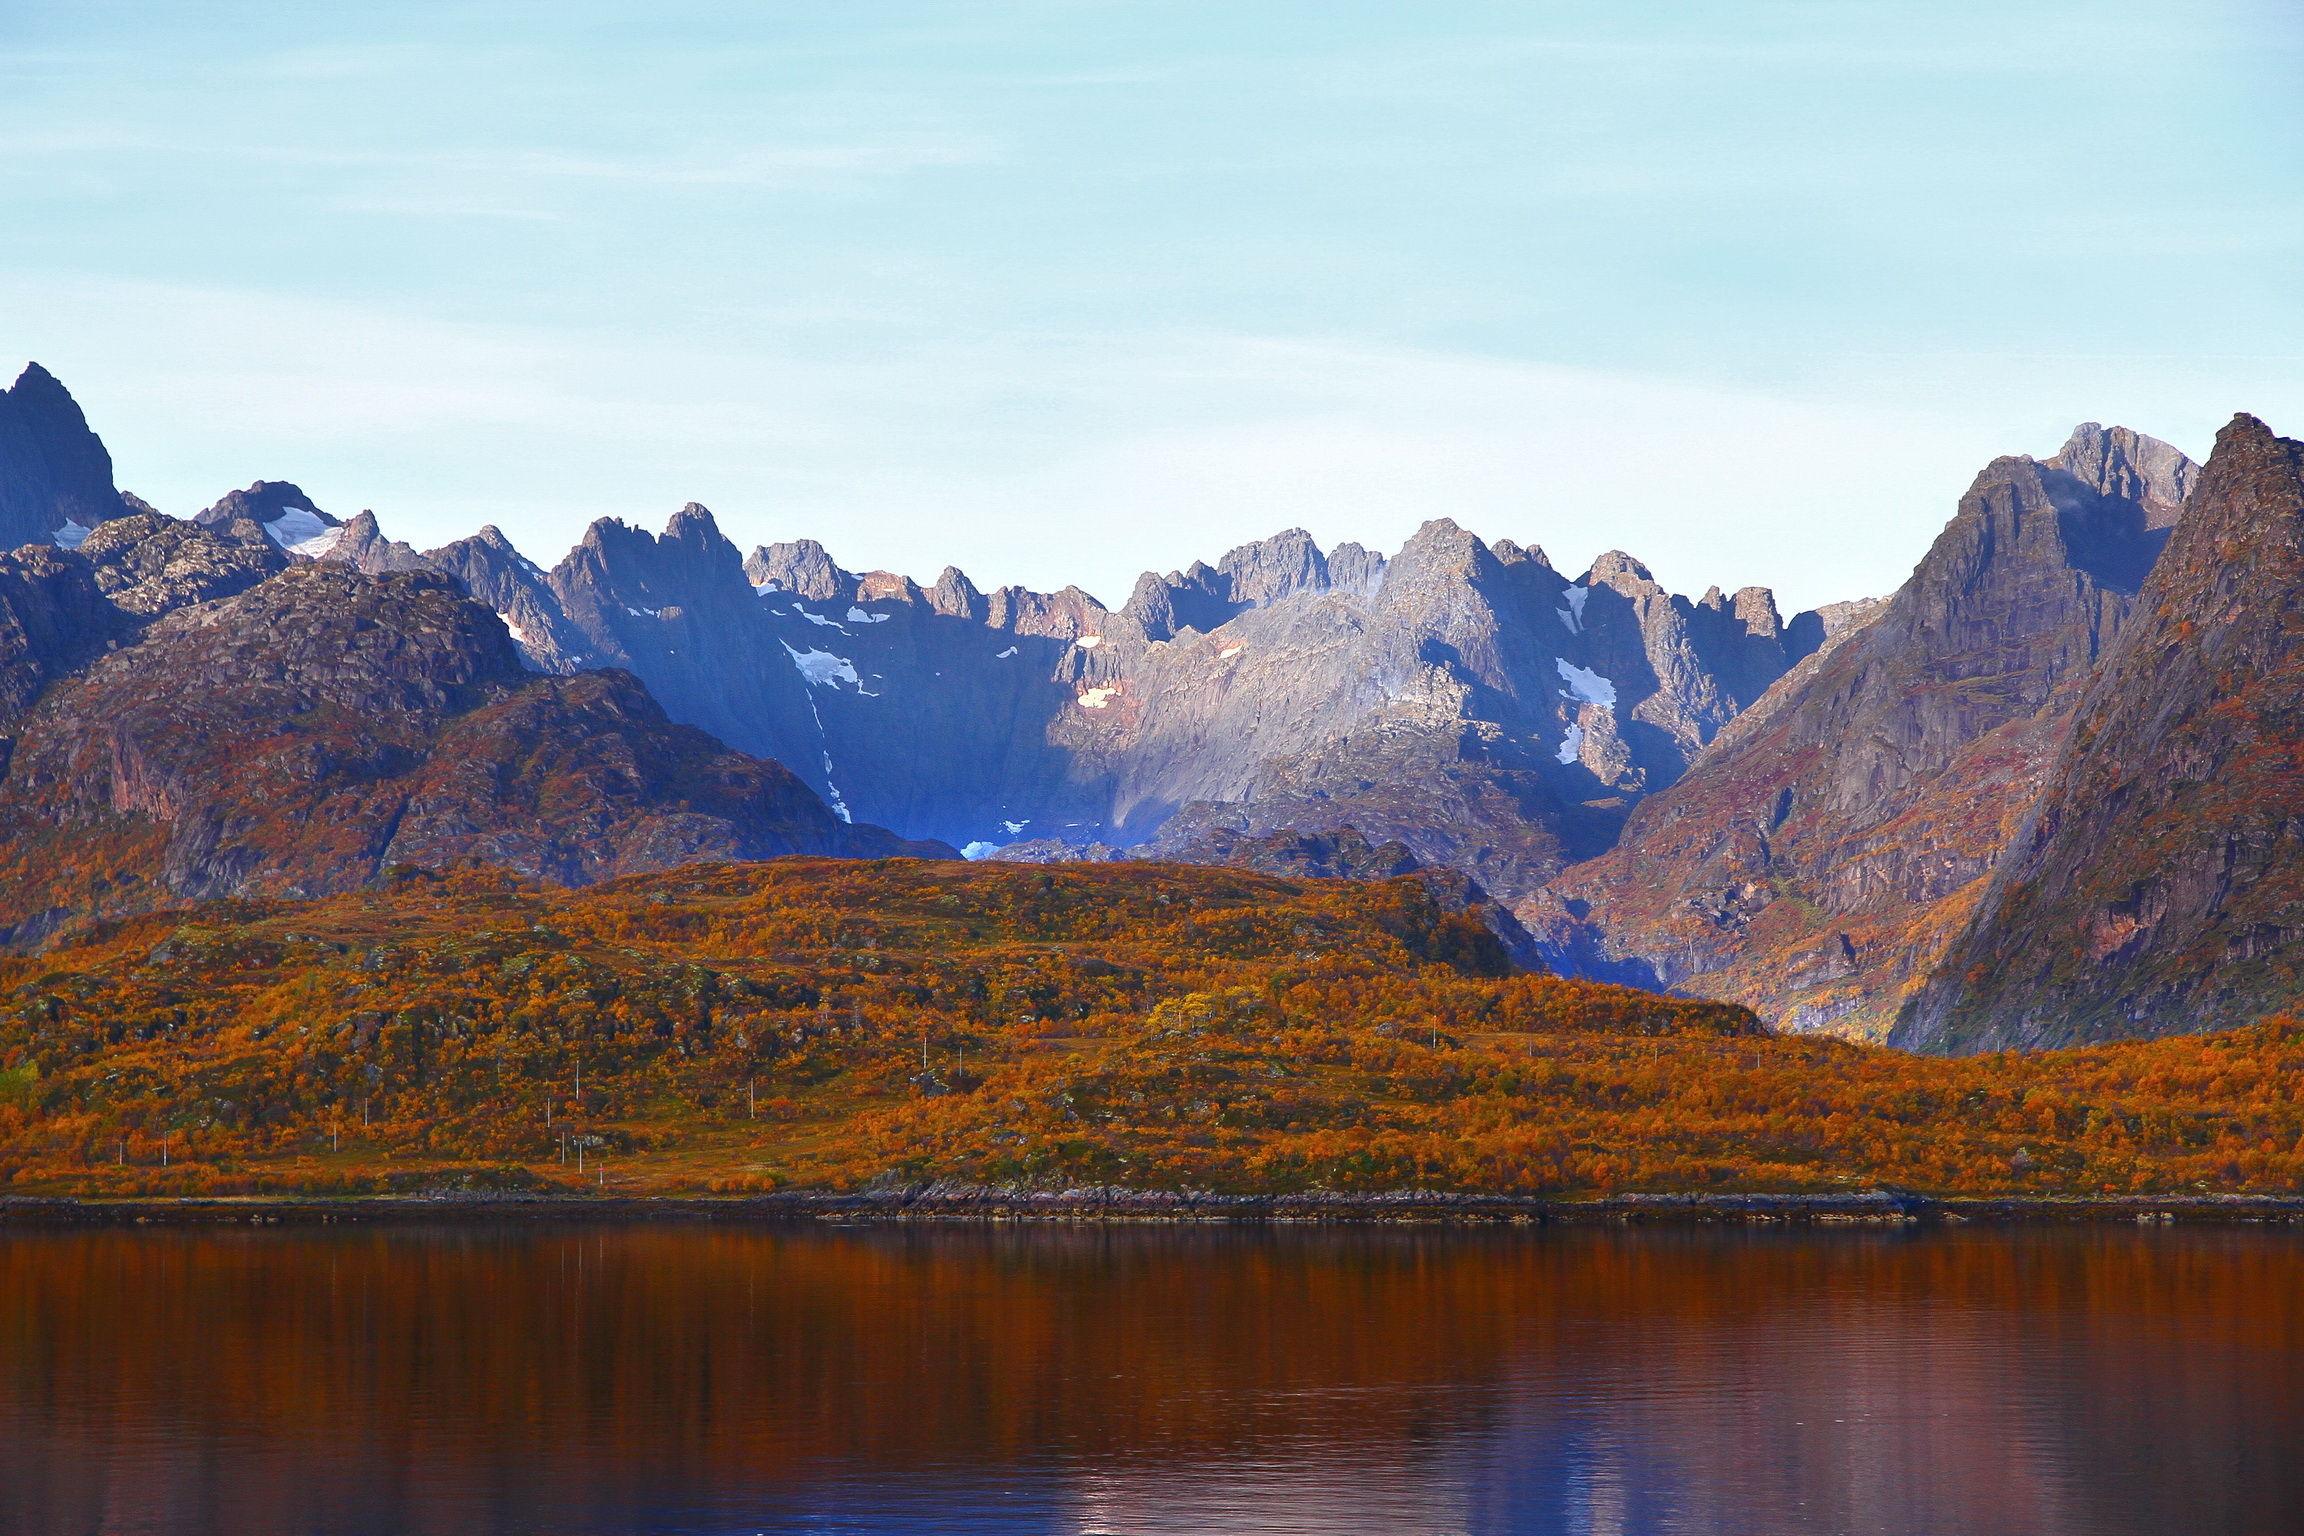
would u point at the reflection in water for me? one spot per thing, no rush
(1136, 1380)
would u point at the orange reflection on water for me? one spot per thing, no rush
(525, 1378)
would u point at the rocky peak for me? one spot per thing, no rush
(2156, 888)
(1620, 571)
(1067, 615)
(363, 547)
(55, 475)
(1440, 551)
(1271, 569)
(956, 597)
(803, 568)
(889, 587)
(1352, 568)
(283, 514)
(407, 641)
(519, 590)
(2119, 462)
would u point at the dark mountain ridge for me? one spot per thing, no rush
(1815, 860)
(2157, 885)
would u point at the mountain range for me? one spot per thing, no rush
(2044, 792)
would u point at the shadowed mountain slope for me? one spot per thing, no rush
(55, 475)
(1822, 851)
(2159, 884)
(299, 737)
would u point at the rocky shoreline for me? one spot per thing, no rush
(975, 1203)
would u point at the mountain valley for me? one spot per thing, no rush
(1869, 819)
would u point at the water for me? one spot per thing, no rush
(1150, 1380)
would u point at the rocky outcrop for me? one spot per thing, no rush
(149, 565)
(363, 547)
(321, 726)
(55, 475)
(1825, 847)
(2158, 885)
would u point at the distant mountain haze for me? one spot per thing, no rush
(1881, 817)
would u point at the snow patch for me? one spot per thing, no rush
(1004, 655)
(1089, 642)
(1096, 698)
(817, 618)
(1229, 652)
(763, 588)
(643, 613)
(1586, 687)
(519, 635)
(70, 535)
(823, 669)
(1573, 614)
(979, 850)
(1572, 743)
(302, 533)
(859, 616)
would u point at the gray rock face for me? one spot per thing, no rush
(55, 475)
(363, 547)
(520, 591)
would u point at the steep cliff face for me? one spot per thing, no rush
(55, 475)
(1818, 857)
(2158, 886)
(303, 735)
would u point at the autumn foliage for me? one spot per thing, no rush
(815, 1023)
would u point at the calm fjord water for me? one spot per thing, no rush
(1094, 1379)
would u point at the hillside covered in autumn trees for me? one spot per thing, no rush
(805, 1023)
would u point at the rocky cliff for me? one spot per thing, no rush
(1820, 854)
(55, 475)
(2158, 884)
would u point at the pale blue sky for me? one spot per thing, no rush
(1058, 291)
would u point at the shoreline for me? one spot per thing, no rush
(974, 1204)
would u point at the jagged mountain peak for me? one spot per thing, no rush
(1619, 570)
(802, 567)
(1507, 552)
(1271, 569)
(2119, 461)
(2155, 889)
(286, 516)
(264, 502)
(55, 474)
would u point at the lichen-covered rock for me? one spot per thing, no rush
(149, 565)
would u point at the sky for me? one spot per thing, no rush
(1058, 292)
